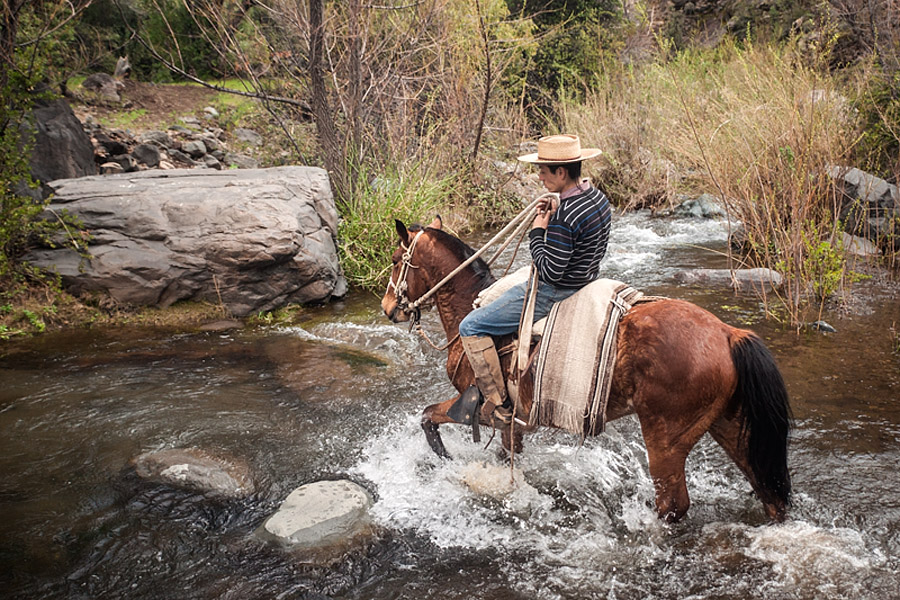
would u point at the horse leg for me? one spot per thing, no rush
(435, 415)
(667, 450)
(727, 432)
(667, 471)
(507, 438)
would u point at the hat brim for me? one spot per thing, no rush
(586, 153)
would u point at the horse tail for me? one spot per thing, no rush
(766, 417)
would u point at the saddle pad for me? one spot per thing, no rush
(499, 287)
(575, 363)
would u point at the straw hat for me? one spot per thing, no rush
(559, 149)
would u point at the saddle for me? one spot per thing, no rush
(574, 361)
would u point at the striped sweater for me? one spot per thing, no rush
(569, 255)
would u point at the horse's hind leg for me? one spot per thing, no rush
(727, 432)
(433, 416)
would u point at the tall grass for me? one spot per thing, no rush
(366, 231)
(757, 127)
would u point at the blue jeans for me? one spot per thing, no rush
(502, 315)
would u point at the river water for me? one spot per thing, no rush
(340, 397)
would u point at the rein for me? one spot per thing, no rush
(517, 220)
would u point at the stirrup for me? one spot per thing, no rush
(503, 413)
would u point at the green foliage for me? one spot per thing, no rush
(191, 49)
(576, 37)
(18, 212)
(878, 103)
(824, 263)
(286, 315)
(367, 235)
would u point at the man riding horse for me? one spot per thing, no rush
(567, 243)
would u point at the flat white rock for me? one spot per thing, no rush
(321, 514)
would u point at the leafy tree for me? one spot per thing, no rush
(575, 35)
(27, 28)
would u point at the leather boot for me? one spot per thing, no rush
(485, 363)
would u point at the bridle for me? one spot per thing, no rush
(401, 286)
(520, 222)
(404, 303)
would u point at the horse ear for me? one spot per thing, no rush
(437, 223)
(401, 231)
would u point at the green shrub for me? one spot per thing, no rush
(878, 102)
(367, 235)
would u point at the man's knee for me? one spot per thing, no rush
(468, 327)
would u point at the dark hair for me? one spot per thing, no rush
(572, 168)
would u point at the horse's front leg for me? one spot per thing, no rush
(433, 416)
(508, 436)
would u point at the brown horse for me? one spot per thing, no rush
(679, 368)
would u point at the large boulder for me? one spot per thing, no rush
(61, 147)
(870, 206)
(251, 239)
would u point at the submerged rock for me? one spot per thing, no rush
(744, 279)
(195, 469)
(822, 326)
(322, 519)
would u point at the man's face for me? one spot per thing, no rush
(554, 181)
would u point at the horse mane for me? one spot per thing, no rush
(462, 251)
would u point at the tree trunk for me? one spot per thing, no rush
(322, 114)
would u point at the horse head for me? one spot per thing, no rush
(410, 273)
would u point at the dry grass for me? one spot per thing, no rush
(755, 126)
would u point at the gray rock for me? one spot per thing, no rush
(192, 123)
(248, 136)
(704, 206)
(211, 112)
(61, 147)
(867, 188)
(321, 516)
(194, 148)
(822, 326)
(197, 470)
(869, 204)
(211, 142)
(104, 85)
(147, 154)
(210, 162)
(857, 246)
(159, 138)
(128, 162)
(744, 279)
(112, 145)
(255, 239)
(180, 157)
(241, 161)
(180, 129)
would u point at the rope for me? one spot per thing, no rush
(516, 222)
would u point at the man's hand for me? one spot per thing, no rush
(545, 209)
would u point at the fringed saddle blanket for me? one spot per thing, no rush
(574, 367)
(580, 334)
